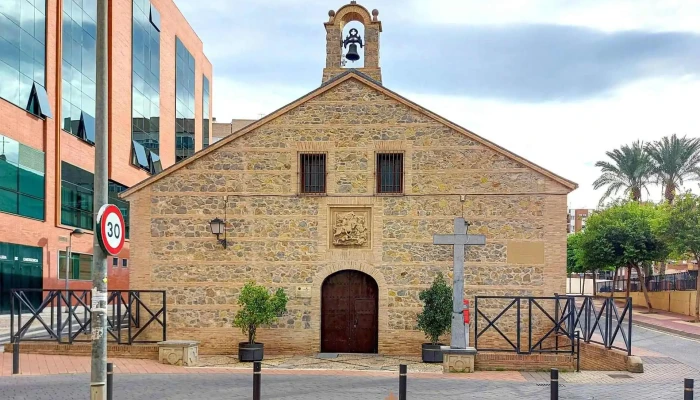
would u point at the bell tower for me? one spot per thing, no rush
(336, 44)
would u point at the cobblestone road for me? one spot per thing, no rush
(288, 387)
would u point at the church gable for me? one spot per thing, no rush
(351, 121)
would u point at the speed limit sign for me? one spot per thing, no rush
(111, 229)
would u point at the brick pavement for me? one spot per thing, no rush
(678, 324)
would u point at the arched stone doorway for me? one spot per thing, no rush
(349, 313)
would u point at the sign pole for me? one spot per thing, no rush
(98, 365)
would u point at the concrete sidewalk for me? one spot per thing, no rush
(677, 324)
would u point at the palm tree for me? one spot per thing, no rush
(630, 170)
(675, 160)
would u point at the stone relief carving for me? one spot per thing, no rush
(350, 230)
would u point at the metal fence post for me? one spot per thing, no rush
(476, 321)
(688, 389)
(256, 380)
(554, 384)
(15, 356)
(402, 381)
(110, 380)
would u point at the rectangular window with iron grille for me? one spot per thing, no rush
(390, 173)
(312, 173)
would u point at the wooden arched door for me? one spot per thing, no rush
(349, 318)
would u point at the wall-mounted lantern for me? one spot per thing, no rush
(218, 227)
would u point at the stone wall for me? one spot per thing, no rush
(282, 239)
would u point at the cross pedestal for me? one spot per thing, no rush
(458, 240)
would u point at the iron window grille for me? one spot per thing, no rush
(390, 173)
(312, 173)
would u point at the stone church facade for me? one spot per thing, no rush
(350, 179)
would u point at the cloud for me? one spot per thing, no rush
(282, 43)
(535, 63)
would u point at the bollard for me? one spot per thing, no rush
(110, 380)
(256, 380)
(402, 381)
(554, 384)
(15, 357)
(688, 392)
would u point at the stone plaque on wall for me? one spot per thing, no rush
(350, 227)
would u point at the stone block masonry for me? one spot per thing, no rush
(284, 239)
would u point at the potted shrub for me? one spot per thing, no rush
(258, 307)
(436, 318)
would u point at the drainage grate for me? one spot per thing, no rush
(620, 376)
(660, 360)
(561, 385)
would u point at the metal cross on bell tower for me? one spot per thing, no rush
(353, 39)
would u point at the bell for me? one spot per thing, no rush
(352, 53)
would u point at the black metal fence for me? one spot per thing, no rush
(551, 324)
(65, 316)
(656, 283)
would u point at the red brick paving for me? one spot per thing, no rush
(38, 364)
(666, 321)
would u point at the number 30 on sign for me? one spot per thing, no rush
(111, 228)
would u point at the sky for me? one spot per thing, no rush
(559, 82)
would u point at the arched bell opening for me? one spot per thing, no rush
(353, 46)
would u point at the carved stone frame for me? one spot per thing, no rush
(337, 211)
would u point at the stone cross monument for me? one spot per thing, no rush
(458, 240)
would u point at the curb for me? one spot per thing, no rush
(684, 334)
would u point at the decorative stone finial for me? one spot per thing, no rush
(331, 13)
(353, 2)
(375, 14)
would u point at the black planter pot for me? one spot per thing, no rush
(250, 352)
(432, 353)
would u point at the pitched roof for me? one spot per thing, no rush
(363, 78)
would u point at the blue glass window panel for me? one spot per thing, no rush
(26, 42)
(31, 183)
(9, 54)
(87, 127)
(25, 90)
(11, 8)
(40, 6)
(8, 201)
(90, 7)
(89, 56)
(27, 17)
(39, 73)
(9, 84)
(140, 155)
(10, 30)
(156, 166)
(9, 163)
(40, 27)
(65, 110)
(88, 105)
(155, 18)
(76, 53)
(26, 65)
(31, 207)
(67, 29)
(75, 119)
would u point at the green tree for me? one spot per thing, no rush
(630, 171)
(623, 236)
(682, 232)
(675, 160)
(436, 317)
(258, 307)
(574, 264)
